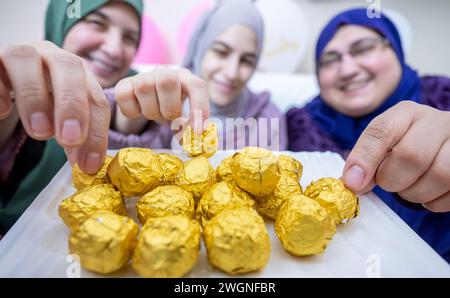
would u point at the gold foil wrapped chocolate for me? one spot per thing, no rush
(167, 247)
(196, 176)
(104, 242)
(75, 209)
(255, 170)
(341, 203)
(81, 180)
(237, 241)
(221, 196)
(200, 145)
(164, 201)
(170, 165)
(223, 171)
(303, 226)
(135, 171)
(291, 166)
(287, 185)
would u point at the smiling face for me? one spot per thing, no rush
(359, 83)
(229, 63)
(107, 39)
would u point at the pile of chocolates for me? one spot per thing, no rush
(180, 203)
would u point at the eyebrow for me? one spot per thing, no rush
(106, 18)
(221, 43)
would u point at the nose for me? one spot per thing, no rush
(112, 44)
(232, 68)
(348, 67)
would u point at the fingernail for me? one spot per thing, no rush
(92, 162)
(40, 124)
(354, 177)
(71, 131)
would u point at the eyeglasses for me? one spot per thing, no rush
(358, 50)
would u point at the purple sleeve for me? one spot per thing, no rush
(304, 135)
(435, 92)
(154, 136)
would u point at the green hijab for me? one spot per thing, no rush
(58, 23)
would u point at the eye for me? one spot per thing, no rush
(220, 52)
(249, 61)
(362, 48)
(99, 25)
(329, 59)
(131, 40)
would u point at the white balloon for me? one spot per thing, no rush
(285, 35)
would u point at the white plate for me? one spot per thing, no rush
(377, 243)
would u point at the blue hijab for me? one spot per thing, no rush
(345, 130)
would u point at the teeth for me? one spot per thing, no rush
(354, 86)
(102, 65)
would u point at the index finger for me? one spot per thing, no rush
(91, 154)
(375, 142)
(197, 92)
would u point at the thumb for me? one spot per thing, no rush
(373, 145)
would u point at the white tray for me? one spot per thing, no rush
(377, 243)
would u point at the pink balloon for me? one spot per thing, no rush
(153, 48)
(188, 24)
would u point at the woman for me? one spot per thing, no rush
(65, 100)
(360, 114)
(224, 51)
(106, 36)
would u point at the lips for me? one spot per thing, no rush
(224, 87)
(355, 85)
(102, 67)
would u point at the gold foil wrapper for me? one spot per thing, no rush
(170, 166)
(196, 176)
(341, 203)
(223, 171)
(221, 196)
(104, 242)
(237, 241)
(291, 166)
(200, 145)
(75, 209)
(81, 180)
(303, 226)
(255, 170)
(287, 185)
(164, 201)
(135, 171)
(167, 247)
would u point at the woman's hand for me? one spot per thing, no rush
(405, 150)
(159, 94)
(56, 95)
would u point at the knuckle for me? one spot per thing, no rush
(198, 83)
(31, 91)
(409, 156)
(68, 60)
(168, 81)
(71, 98)
(379, 130)
(441, 172)
(407, 105)
(19, 51)
(171, 115)
(410, 196)
(144, 84)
